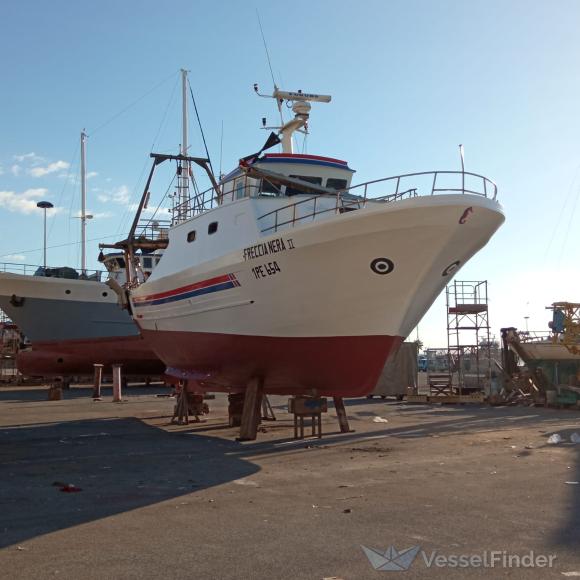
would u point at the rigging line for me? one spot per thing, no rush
(164, 118)
(125, 109)
(200, 127)
(65, 184)
(162, 123)
(266, 47)
(569, 225)
(165, 195)
(561, 214)
(61, 245)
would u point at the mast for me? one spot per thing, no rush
(183, 175)
(83, 204)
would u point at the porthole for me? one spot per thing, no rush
(382, 266)
(212, 228)
(105, 294)
(451, 269)
(67, 291)
(191, 236)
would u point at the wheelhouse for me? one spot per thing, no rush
(301, 169)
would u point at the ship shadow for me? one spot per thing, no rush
(33, 394)
(568, 535)
(119, 464)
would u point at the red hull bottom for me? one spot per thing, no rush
(76, 357)
(346, 366)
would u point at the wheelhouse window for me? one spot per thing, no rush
(147, 263)
(240, 189)
(292, 190)
(333, 183)
(212, 228)
(191, 236)
(268, 187)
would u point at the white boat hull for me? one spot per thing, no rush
(224, 320)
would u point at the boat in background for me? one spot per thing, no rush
(286, 274)
(73, 323)
(73, 318)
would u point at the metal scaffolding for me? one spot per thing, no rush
(468, 337)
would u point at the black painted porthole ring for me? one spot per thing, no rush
(453, 267)
(382, 266)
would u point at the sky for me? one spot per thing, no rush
(410, 81)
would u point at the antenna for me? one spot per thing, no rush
(266, 48)
(462, 168)
(269, 66)
(221, 149)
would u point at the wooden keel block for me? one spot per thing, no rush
(251, 410)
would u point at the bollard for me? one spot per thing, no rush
(117, 395)
(55, 391)
(97, 383)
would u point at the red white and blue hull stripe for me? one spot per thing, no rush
(217, 284)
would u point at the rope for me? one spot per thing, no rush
(200, 127)
(131, 105)
(58, 245)
(162, 123)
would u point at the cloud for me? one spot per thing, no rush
(75, 179)
(29, 158)
(25, 202)
(1, 170)
(41, 171)
(15, 170)
(14, 257)
(119, 195)
(161, 213)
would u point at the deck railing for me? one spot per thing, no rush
(153, 229)
(50, 272)
(527, 336)
(208, 199)
(356, 197)
(388, 189)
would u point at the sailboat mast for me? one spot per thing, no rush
(83, 204)
(183, 179)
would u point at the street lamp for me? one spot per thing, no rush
(44, 205)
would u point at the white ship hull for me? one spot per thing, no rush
(303, 308)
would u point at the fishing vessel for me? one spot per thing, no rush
(73, 318)
(72, 324)
(287, 273)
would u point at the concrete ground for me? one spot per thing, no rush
(165, 501)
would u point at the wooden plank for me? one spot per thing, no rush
(251, 411)
(341, 414)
